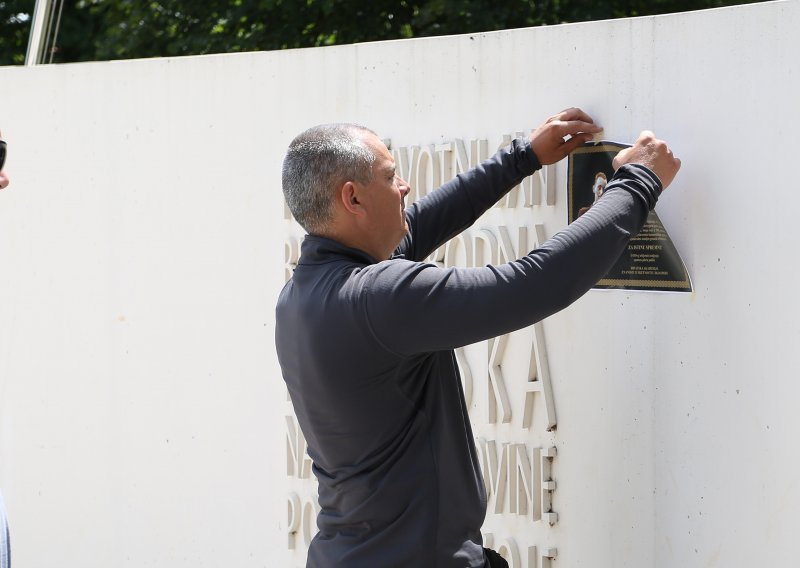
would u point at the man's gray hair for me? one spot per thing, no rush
(317, 161)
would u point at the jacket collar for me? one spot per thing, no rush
(320, 250)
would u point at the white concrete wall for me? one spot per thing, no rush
(142, 414)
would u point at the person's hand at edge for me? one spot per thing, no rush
(3, 178)
(561, 134)
(653, 153)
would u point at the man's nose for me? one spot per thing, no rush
(403, 185)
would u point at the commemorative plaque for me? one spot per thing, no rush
(650, 261)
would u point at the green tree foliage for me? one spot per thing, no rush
(14, 27)
(122, 29)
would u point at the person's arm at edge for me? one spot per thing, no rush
(4, 181)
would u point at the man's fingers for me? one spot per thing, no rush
(652, 153)
(621, 158)
(571, 144)
(574, 142)
(561, 134)
(646, 136)
(574, 127)
(574, 113)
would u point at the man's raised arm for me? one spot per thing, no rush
(455, 206)
(417, 308)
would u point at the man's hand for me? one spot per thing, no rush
(653, 153)
(561, 134)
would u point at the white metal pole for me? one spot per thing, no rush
(36, 37)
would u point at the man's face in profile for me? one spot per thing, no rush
(385, 197)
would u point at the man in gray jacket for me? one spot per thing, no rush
(366, 329)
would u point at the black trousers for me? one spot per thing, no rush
(495, 560)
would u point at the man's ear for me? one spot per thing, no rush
(349, 196)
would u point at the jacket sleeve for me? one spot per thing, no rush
(414, 307)
(444, 213)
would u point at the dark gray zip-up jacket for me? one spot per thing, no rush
(366, 349)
